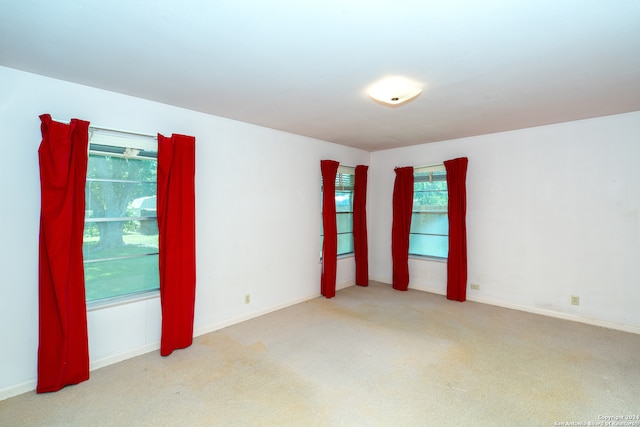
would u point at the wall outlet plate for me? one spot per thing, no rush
(475, 287)
(575, 300)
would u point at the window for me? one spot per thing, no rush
(120, 244)
(345, 179)
(429, 235)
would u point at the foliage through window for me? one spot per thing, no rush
(429, 235)
(120, 244)
(345, 180)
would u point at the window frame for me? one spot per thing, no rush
(126, 145)
(345, 182)
(420, 174)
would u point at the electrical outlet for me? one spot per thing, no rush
(575, 300)
(475, 287)
(247, 298)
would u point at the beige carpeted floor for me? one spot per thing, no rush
(368, 357)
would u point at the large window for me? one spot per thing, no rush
(429, 221)
(345, 179)
(120, 244)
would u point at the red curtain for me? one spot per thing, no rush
(457, 260)
(63, 349)
(177, 240)
(402, 207)
(360, 244)
(329, 169)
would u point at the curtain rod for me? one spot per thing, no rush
(429, 166)
(113, 130)
(423, 166)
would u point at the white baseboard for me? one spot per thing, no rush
(541, 311)
(559, 315)
(427, 289)
(110, 360)
(96, 364)
(346, 284)
(248, 316)
(138, 351)
(262, 312)
(17, 389)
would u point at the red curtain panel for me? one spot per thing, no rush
(63, 350)
(329, 169)
(177, 240)
(401, 226)
(457, 260)
(360, 244)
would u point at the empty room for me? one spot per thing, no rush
(336, 213)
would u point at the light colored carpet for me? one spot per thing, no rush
(368, 357)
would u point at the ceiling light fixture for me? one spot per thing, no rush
(394, 91)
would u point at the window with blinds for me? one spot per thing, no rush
(429, 235)
(345, 180)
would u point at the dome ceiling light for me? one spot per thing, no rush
(394, 91)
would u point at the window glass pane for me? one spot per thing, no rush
(436, 246)
(120, 200)
(344, 212)
(119, 239)
(430, 191)
(430, 200)
(121, 257)
(430, 223)
(105, 279)
(344, 201)
(345, 243)
(344, 222)
(120, 168)
(118, 187)
(344, 217)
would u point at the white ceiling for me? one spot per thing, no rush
(303, 66)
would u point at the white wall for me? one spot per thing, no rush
(257, 209)
(552, 212)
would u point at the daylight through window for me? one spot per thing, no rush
(120, 244)
(429, 235)
(345, 180)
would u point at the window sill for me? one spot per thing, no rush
(428, 258)
(122, 300)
